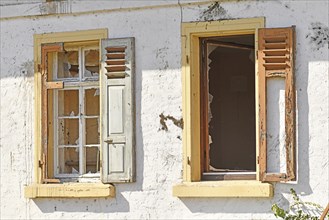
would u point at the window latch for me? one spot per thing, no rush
(109, 141)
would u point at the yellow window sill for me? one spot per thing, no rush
(250, 188)
(69, 190)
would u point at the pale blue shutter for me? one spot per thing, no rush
(117, 110)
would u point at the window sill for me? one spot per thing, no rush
(69, 190)
(250, 188)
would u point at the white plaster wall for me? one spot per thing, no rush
(158, 90)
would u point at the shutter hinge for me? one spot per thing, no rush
(41, 163)
(187, 61)
(257, 55)
(188, 161)
(257, 159)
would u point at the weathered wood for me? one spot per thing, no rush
(118, 111)
(274, 177)
(45, 49)
(277, 62)
(290, 111)
(55, 85)
(262, 106)
(270, 74)
(204, 105)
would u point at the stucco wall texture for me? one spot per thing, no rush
(159, 90)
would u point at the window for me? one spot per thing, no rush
(84, 114)
(227, 96)
(226, 66)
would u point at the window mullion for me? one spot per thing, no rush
(81, 117)
(55, 100)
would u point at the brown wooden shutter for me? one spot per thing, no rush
(46, 85)
(276, 48)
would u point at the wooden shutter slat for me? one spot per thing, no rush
(276, 47)
(274, 38)
(116, 75)
(116, 62)
(275, 59)
(115, 49)
(275, 73)
(115, 68)
(117, 111)
(115, 55)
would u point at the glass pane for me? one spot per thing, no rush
(92, 159)
(68, 160)
(92, 102)
(68, 131)
(68, 102)
(68, 64)
(91, 63)
(92, 131)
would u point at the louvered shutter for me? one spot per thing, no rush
(118, 110)
(276, 48)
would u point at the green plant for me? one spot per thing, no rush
(298, 210)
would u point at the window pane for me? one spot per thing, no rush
(91, 63)
(92, 159)
(68, 102)
(92, 102)
(68, 64)
(68, 131)
(68, 160)
(92, 131)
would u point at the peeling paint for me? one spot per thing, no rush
(56, 7)
(214, 12)
(178, 122)
(318, 35)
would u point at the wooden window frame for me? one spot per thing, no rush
(79, 38)
(191, 34)
(81, 84)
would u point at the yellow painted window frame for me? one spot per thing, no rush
(37, 189)
(191, 33)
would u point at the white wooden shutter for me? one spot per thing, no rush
(117, 110)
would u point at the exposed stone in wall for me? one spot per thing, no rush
(178, 122)
(213, 12)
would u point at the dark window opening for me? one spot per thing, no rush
(228, 131)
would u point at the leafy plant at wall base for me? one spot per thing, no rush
(299, 210)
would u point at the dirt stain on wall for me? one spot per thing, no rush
(318, 35)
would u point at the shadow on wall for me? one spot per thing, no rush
(96, 205)
(227, 205)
